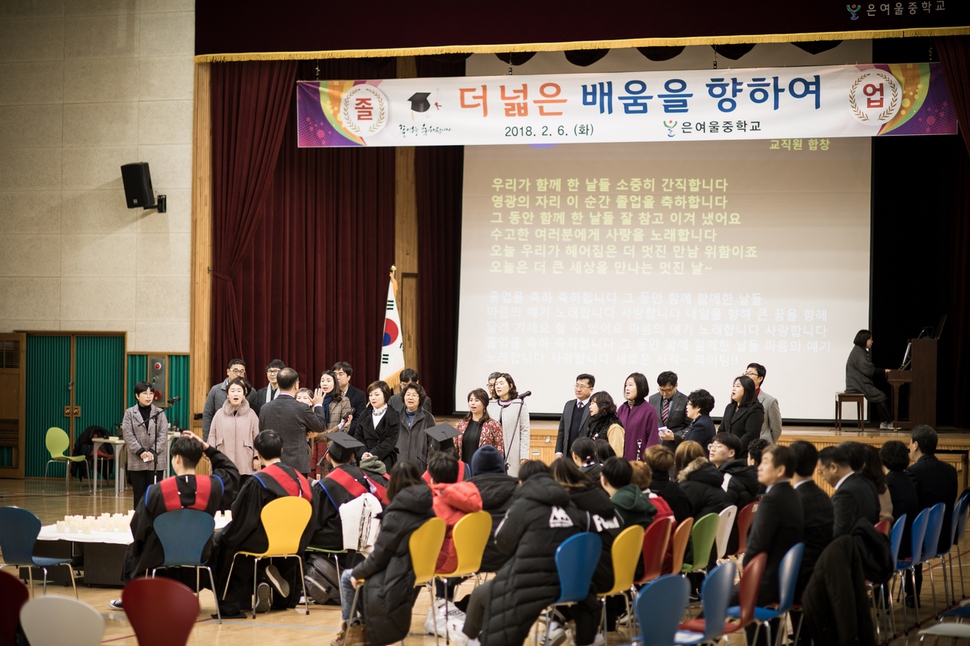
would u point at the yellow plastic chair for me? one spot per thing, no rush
(57, 443)
(470, 535)
(285, 520)
(626, 551)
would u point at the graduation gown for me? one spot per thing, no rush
(343, 484)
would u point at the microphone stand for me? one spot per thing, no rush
(148, 424)
(515, 430)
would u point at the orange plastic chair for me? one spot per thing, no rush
(744, 519)
(161, 611)
(747, 596)
(681, 536)
(883, 527)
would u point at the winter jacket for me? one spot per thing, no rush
(742, 483)
(539, 520)
(672, 494)
(594, 500)
(701, 482)
(452, 501)
(233, 431)
(634, 508)
(389, 591)
(858, 375)
(412, 442)
(835, 602)
(497, 491)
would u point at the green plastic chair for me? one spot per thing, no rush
(58, 443)
(702, 539)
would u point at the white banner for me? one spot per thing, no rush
(696, 105)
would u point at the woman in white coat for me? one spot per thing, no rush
(514, 416)
(235, 426)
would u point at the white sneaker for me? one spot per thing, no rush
(116, 604)
(599, 640)
(557, 635)
(885, 426)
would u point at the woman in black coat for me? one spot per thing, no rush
(745, 415)
(379, 427)
(701, 483)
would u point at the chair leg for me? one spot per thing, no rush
(46, 466)
(196, 581)
(45, 580)
(306, 599)
(212, 581)
(434, 611)
(932, 585)
(30, 577)
(70, 568)
(232, 564)
(875, 611)
(798, 630)
(963, 590)
(255, 584)
(353, 607)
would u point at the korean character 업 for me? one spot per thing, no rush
(718, 89)
(549, 93)
(515, 100)
(874, 95)
(674, 96)
(466, 100)
(635, 100)
(599, 94)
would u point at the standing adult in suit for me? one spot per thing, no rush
(771, 428)
(817, 510)
(670, 405)
(935, 480)
(744, 415)
(294, 421)
(855, 496)
(271, 390)
(700, 403)
(357, 397)
(379, 429)
(575, 414)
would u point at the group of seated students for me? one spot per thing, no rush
(591, 490)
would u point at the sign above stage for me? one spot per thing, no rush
(695, 105)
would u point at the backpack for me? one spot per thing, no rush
(322, 579)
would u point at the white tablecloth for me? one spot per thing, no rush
(50, 533)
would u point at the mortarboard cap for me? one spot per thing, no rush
(442, 432)
(419, 102)
(342, 445)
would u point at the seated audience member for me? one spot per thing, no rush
(740, 478)
(452, 501)
(377, 430)
(603, 450)
(817, 510)
(407, 376)
(412, 441)
(184, 490)
(603, 422)
(235, 426)
(771, 429)
(902, 491)
(935, 480)
(661, 462)
(502, 611)
(687, 453)
(700, 403)
(670, 405)
(754, 453)
(246, 533)
(642, 478)
(700, 480)
(497, 491)
(855, 497)
(634, 508)
(583, 453)
(388, 597)
(873, 471)
(477, 429)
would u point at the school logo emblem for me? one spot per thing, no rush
(558, 518)
(874, 97)
(363, 110)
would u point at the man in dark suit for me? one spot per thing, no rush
(575, 414)
(294, 421)
(855, 496)
(271, 390)
(407, 376)
(357, 397)
(671, 407)
(935, 480)
(816, 509)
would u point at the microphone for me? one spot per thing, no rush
(175, 400)
(525, 394)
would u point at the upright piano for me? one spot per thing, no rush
(916, 385)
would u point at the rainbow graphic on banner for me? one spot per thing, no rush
(925, 103)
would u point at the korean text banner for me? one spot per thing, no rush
(714, 105)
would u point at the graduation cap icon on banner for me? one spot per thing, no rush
(419, 102)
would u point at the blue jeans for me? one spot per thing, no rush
(346, 595)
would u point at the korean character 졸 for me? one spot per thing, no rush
(718, 89)
(599, 93)
(807, 87)
(549, 92)
(635, 100)
(515, 101)
(483, 97)
(675, 97)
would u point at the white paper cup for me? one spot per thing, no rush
(61, 526)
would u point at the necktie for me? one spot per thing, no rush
(665, 412)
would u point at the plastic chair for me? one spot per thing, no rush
(57, 442)
(576, 560)
(715, 596)
(787, 578)
(725, 523)
(660, 605)
(162, 612)
(54, 621)
(184, 534)
(883, 527)
(931, 544)
(14, 594)
(702, 540)
(655, 541)
(959, 532)
(916, 535)
(744, 519)
(18, 534)
(749, 588)
(470, 536)
(625, 553)
(681, 537)
(284, 519)
(895, 543)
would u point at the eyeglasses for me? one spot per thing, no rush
(238, 371)
(273, 371)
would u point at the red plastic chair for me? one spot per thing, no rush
(14, 594)
(161, 611)
(655, 541)
(744, 519)
(883, 527)
(747, 596)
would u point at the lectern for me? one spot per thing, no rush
(916, 385)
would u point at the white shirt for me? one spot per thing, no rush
(378, 414)
(583, 402)
(799, 484)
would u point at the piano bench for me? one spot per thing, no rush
(848, 398)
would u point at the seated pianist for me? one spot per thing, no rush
(184, 490)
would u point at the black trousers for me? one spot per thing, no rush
(140, 481)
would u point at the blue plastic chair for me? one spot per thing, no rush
(931, 543)
(660, 605)
(895, 543)
(960, 512)
(787, 578)
(18, 534)
(576, 560)
(916, 535)
(715, 597)
(184, 534)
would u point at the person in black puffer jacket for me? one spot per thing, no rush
(741, 476)
(701, 482)
(660, 459)
(497, 490)
(541, 518)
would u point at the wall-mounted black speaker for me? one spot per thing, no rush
(138, 185)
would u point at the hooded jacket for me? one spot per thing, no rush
(701, 482)
(634, 508)
(539, 520)
(497, 491)
(389, 591)
(604, 521)
(672, 494)
(452, 501)
(742, 485)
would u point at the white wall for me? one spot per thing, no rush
(86, 86)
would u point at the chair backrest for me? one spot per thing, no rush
(702, 541)
(424, 546)
(750, 586)
(626, 551)
(655, 541)
(883, 527)
(715, 597)
(963, 504)
(745, 517)
(162, 611)
(14, 594)
(471, 534)
(788, 576)
(725, 523)
(660, 606)
(55, 620)
(18, 533)
(681, 536)
(933, 529)
(285, 519)
(896, 537)
(184, 534)
(917, 534)
(57, 441)
(576, 559)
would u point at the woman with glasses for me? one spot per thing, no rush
(700, 403)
